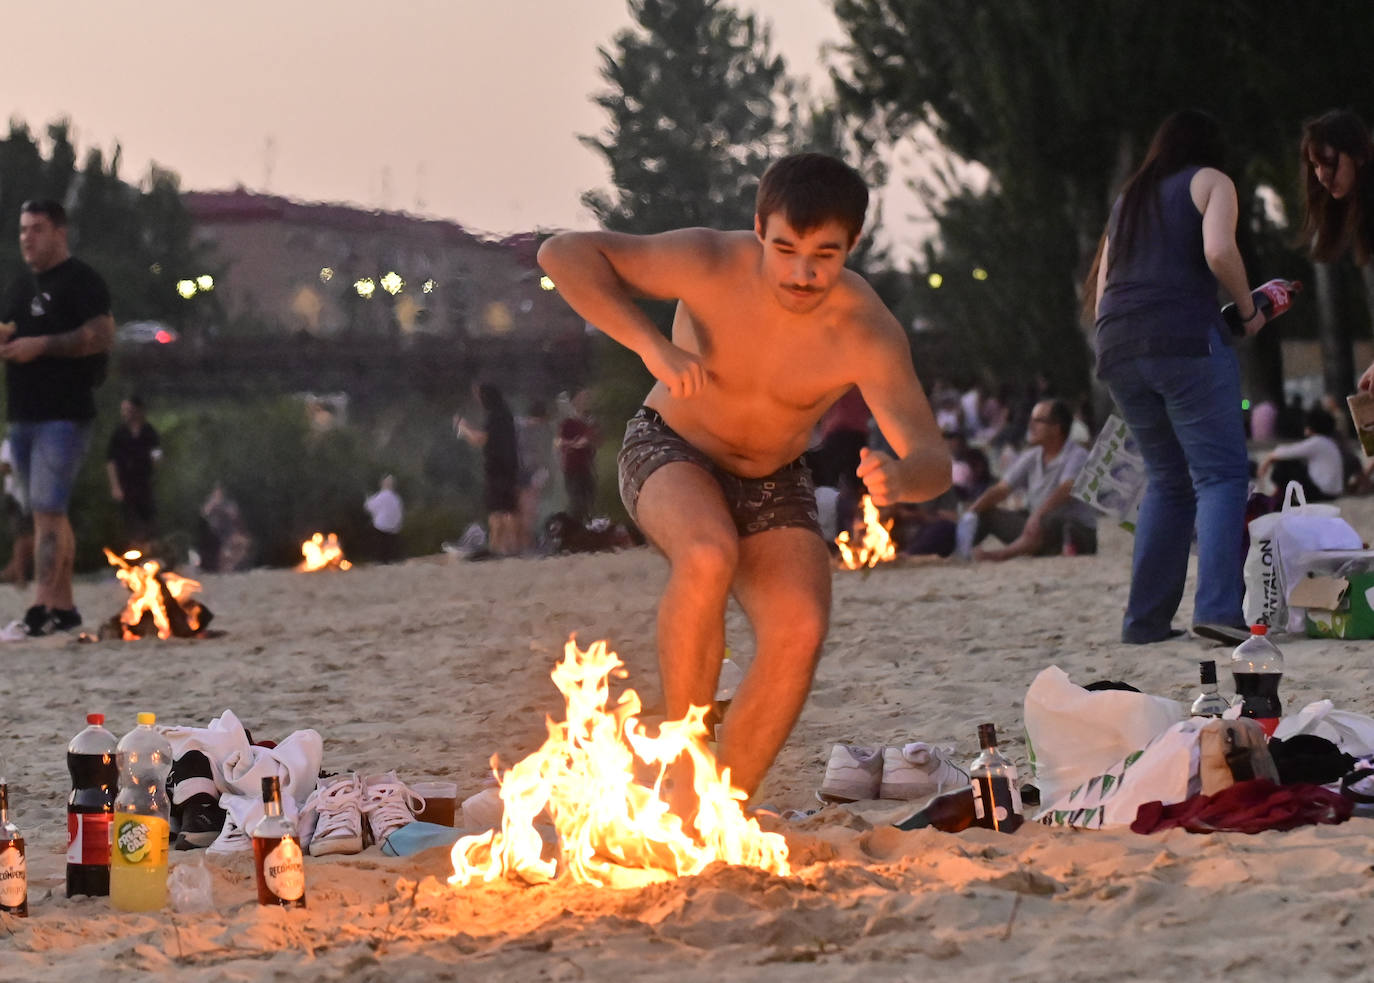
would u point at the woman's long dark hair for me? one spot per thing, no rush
(1187, 138)
(1330, 227)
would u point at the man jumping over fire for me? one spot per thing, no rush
(770, 330)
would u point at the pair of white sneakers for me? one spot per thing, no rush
(332, 820)
(906, 771)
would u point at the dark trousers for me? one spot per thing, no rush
(1008, 524)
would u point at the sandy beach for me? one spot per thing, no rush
(432, 666)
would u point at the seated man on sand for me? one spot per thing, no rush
(1053, 520)
(771, 329)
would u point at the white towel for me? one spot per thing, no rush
(240, 767)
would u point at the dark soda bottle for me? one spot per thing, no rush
(14, 872)
(1273, 298)
(1257, 667)
(278, 862)
(95, 779)
(996, 792)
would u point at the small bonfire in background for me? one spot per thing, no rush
(323, 552)
(612, 829)
(161, 602)
(876, 547)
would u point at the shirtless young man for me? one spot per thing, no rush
(770, 330)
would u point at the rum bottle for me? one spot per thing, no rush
(996, 793)
(14, 871)
(278, 861)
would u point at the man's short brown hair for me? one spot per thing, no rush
(811, 189)
(53, 210)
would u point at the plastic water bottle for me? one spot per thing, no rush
(95, 777)
(1257, 667)
(139, 831)
(1273, 298)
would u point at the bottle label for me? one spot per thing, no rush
(283, 870)
(139, 841)
(995, 802)
(14, 876)
(88, 838)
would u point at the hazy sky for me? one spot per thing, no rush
(464, 109)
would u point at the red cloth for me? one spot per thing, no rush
(1247, 807)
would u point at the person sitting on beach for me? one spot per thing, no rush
(770, 331)
(1044, 474)
(1315, 462)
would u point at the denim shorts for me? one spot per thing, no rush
(47, 457)
(785, 498)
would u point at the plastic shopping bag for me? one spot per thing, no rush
(1277, 542)
(1353, 733)
(1074, 734)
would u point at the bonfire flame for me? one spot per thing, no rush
(877, 546)
(152, 588)
(322, 552)
(612, 830)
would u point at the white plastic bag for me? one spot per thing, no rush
(1074, 734)
(1164, 770)
(1353, 733)
(1277, 542)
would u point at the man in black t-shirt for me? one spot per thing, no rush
(57, 332)
(134, 449)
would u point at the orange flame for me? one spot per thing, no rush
(146, 582)
(877, 546)
(612, 830)
(321, 553)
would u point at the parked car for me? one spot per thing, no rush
(146, 333)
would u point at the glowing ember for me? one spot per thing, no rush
(877, 546)
(159, 594)
(612, 830)
(323, 552)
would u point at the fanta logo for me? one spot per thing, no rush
(133, 840)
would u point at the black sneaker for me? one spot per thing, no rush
(37, 621)
(64, 619)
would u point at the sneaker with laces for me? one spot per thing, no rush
(389, 804)
(332, 820)
(853, 773)
(918, 771)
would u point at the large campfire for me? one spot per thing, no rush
(160, 601)
(609, 828)
(875, 547)
(323, 552)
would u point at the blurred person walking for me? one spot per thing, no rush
(56, 354)
(1166, 354)
(500, 467)
(578, 436)
(387, 511)
(20, 568)
(130, 460)
(534, 445)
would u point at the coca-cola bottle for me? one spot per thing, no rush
(277, 857)
(1257, 667)
(95, 777)
(996, 792)
(14, 872)
(1273, 298)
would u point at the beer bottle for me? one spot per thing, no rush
(277, 858)
(951, 812)
(14, 872)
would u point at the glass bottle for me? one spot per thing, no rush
(1209, 702)
(278, 862)
(14, 871)
(996, 792)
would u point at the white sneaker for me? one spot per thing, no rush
(918, 771)
(853, 773)
(389, 804)
(231, 839)
(332, 819)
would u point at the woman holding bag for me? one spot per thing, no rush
(1166, 354)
